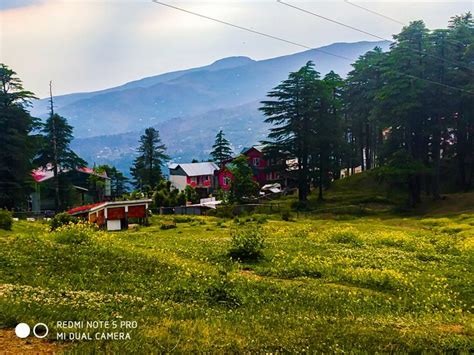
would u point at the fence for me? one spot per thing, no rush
(34, 215)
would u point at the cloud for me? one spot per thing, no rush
(13, 4)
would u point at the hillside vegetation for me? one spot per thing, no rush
(363, 194)
(366, 284)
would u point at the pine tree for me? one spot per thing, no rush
(362, 123)
(328, 134)
(461, 50)
(55, 152)
(401, 102)
(221, 150)
(146, 169)
(303, 115)
(18, 145)
(118, 182)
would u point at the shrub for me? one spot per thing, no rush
(247, 244)
(62, 219)
(224, 211)
(182, 219)
(222, 291)
(6, 220)
(300, 233)
(74, 233)
(345, 236)
(260, 218)
(286, 215)
(168, 225)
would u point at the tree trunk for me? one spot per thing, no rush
(320, 194)
(368, 149)
(436, 159)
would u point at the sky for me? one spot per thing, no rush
(88, 45)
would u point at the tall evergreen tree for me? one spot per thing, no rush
(461, 50)
(328, 135)
(118, 182)
(291, 113)
(362, 123)
(221, 150)
(305, 115)
(146, 169)
(55, 152)
(401, 101)
(16, 140)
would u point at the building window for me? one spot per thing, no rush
(256, 161)
(193, 179)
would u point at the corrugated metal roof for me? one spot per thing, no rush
(43, 174)
(198, 169)
(256, 147)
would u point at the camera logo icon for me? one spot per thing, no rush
(40, 330)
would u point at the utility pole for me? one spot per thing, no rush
(55, 149)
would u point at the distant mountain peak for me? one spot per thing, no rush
(230, 62)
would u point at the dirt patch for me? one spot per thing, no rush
(451, 328)
(250, 274)
(11, 344)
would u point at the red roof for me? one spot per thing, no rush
(42, 174)
(83, 209)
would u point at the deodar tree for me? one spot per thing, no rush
(305, 116)
(146, 169)
(363, 127)
(18, 144)
(55, 152)
(460, 43)
(221, 150)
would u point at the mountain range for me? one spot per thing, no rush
(188, 106)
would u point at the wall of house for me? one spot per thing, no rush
(259, 166)
(199, 181)
(222, 176)
(178, 181)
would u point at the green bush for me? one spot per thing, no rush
(224, 211)
(183, 219)
(168, 225)
(62, 219)
(247, 244)
(260, 218)
(286, 215)
(80, 233)
(346, 237)
(6, 220)
(222, 291)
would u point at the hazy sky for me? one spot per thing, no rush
(86, 45)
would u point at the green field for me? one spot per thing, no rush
(339, 284)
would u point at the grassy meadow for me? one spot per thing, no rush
(359, 284)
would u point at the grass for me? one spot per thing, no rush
(367, 284)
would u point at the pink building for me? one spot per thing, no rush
(201, 176)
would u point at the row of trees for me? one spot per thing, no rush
(409, 112)
(148, 177)
(27, 143)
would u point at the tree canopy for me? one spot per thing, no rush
(147, 166)
(18, 142)
(221, 150)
